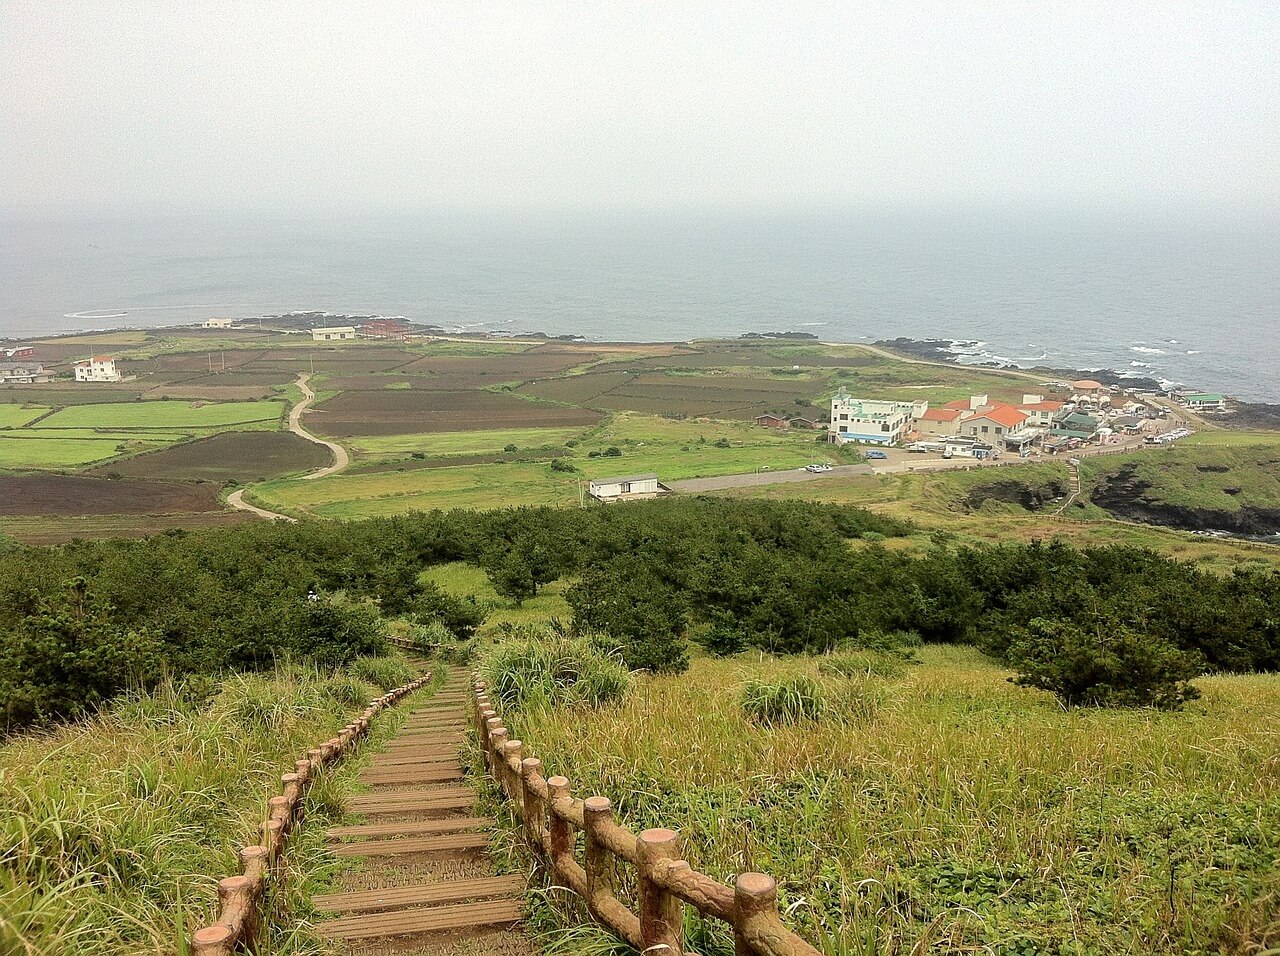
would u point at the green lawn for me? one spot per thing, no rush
(459, 443)
(54, 452)
(462, 579)
(15, 416)
(159, 414)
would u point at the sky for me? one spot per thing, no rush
(320, 105)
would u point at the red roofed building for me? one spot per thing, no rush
(939, 422)
(391, 329)
(994, 422)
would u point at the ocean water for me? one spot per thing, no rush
(1182, 298)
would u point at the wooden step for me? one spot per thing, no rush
(437, 798)
(448, 758)
(419, 740)
(399, 897)
(441, 725)
(449, 842)
(410, 775)
(434, 919)
(412, 828)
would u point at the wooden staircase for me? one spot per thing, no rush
(427, 884)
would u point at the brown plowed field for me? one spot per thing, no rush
(578, 389)
(402, 412)
(244, 456)
(74, 495)
(70, 395)
(46, 529)
(477, 371)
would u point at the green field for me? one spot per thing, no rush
(463, 580)
(459, 443)
(57, 452)
(15, 416)
(163, 415)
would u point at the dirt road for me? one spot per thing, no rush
(236, 500)
(340, 457)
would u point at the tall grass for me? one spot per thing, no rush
(962, 813)
(540, 668)
(115, 830)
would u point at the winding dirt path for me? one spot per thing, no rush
(340, 457)
(236, 500)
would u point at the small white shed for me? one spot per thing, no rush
(336, 334)
(626, 486)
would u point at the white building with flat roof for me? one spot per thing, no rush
(99, 368)
(338, 333)
(871, 421)
(625, 487)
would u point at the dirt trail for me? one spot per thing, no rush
(340, 457)
(236, 500)
(427, 884)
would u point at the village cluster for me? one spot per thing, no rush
(977, 427)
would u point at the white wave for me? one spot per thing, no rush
(815, 323)
(1172, 341)
(1147, 351)
(1141, 364)
(1193, 351)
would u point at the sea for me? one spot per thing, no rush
(1183, 297)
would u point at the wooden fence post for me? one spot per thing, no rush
(560, 831)
(215, 940)
(753, 894)
(661, 925)
(511, 751)
(597, 812)
(497, 763)
(534, 812)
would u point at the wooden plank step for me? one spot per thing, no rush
(408, 775)
(442, 798)
(411, 828)
(425, 740)
(413, 725)
(399, 897)
(434, 919)
(448, 758)
(439, 843)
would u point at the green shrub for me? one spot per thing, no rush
(386, 673)
(541, 668)
(786, 701)
(1107, 665)
(332, 634)
(562, 464)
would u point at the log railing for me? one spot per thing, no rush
(550, 817)
(240, 897)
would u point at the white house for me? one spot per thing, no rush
(217, 323)
(336, 334)
(625, 487)
(99, 368)
(874, 422)
(23, 373)
(1203, 401)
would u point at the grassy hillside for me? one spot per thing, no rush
(945, 810)
(116, 829)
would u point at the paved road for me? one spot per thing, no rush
(340, 457)
(751, 479)
(236, 500)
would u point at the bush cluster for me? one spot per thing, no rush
(535, 667)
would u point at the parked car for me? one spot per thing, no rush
(816, 467)
(876, 455)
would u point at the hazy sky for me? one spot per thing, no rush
(389, 104)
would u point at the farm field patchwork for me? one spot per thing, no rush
(239, 455)
(32, 495)
(399, 412)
